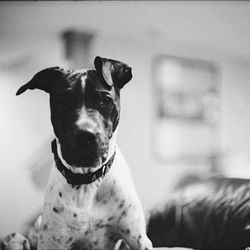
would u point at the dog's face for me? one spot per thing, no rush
(85, 108)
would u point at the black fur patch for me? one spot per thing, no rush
(110, 218)
(57, 209)
(121, 204)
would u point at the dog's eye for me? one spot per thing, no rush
(105, 99)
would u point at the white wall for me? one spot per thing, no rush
(25, 120)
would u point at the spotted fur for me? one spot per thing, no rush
(97, 215)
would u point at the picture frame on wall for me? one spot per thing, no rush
(187, 109)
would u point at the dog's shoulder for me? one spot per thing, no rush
(120, 170)
(119, 179)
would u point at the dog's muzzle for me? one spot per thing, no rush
(87, 141)
(80, 179)
(85, 148)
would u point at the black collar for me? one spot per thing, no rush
(80, 179)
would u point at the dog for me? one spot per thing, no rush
(90, 202)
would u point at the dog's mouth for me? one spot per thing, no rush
(85, 167)
(78, 159)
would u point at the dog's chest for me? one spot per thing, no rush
(83, 215)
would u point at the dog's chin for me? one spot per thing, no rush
(79, 162)
(89, 161)
(84, 166)
(85, 162)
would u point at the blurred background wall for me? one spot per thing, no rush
(133, 32)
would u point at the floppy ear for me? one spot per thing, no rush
(114, 72)
(43, 80)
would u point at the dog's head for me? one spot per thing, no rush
(85, 107)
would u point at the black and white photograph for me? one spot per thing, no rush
(125, 125)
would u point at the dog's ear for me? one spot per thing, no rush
(114, 72)
(43, 80)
